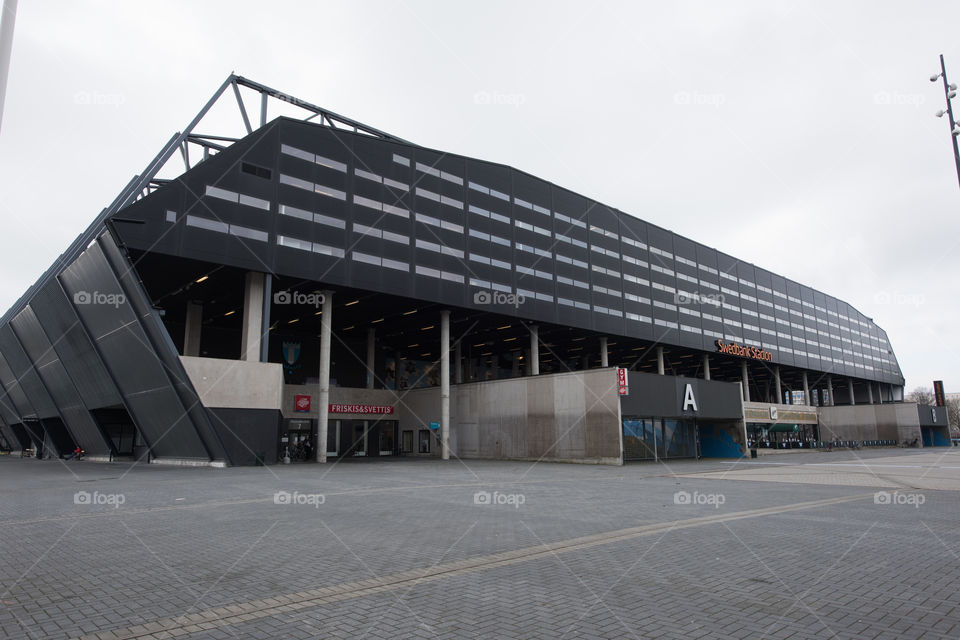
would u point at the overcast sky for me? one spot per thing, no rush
(799, 136)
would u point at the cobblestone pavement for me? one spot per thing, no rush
(828, 545)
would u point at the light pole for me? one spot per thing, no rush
(6, 44)
(950, 92)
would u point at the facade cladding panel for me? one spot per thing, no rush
(24, 371)
(13, 397)
(351, 210)
(164, 349)
(58, 383)
(13, 440)
(72, 346)
(131, 359)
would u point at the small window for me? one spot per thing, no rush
(254, 170)
(424, 441)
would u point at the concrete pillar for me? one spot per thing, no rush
(397, 366)
(371, 356)
(869, 393)
(604, 355)
(745, 381)
(534, 350)
(191, 333)
(830, 390)
(445, 384)
(252, 317)
(458, 363)
(706, 366)
(660, 368)
(323, 398)
(853, 399)
(265, 323)
(806, 390)
(776, 384)
(880, 392)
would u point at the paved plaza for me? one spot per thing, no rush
(810, 545)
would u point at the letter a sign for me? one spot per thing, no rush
(689, 401)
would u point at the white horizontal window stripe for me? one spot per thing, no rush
(429, 195)
(315, 247)
(209, 225)
(297, 153)
(330, 191)
(379, 262)
(247, 232)
(294, 243)
(295, 212)
(251, 201)
(396, 237)
(223, 227)
(396, 211)
(332, 164)
(296, 182)
(222, 194)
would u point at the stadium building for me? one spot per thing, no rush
(321, 289)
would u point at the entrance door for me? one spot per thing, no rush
(298, 440)
(354, 438)
(388, 437)
(658, 438)
(364, 438)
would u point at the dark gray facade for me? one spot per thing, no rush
(306, 202)
(350, 210)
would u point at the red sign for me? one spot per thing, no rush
(623, 382)
(301, 404)
(361, 408)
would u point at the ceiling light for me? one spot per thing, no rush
(201, 279)
(351, 303)
(406, 313)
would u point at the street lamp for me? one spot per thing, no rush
(950, 92)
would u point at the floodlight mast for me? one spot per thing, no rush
(949, 92)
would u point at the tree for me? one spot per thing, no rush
(921, 395)
(953, 416)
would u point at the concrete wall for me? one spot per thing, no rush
(572, 416)
(870, 422)
(235, 384)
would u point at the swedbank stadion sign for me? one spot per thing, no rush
(734, 349)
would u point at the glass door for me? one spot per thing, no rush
(388, 437)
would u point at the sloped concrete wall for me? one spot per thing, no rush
(235, 384)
